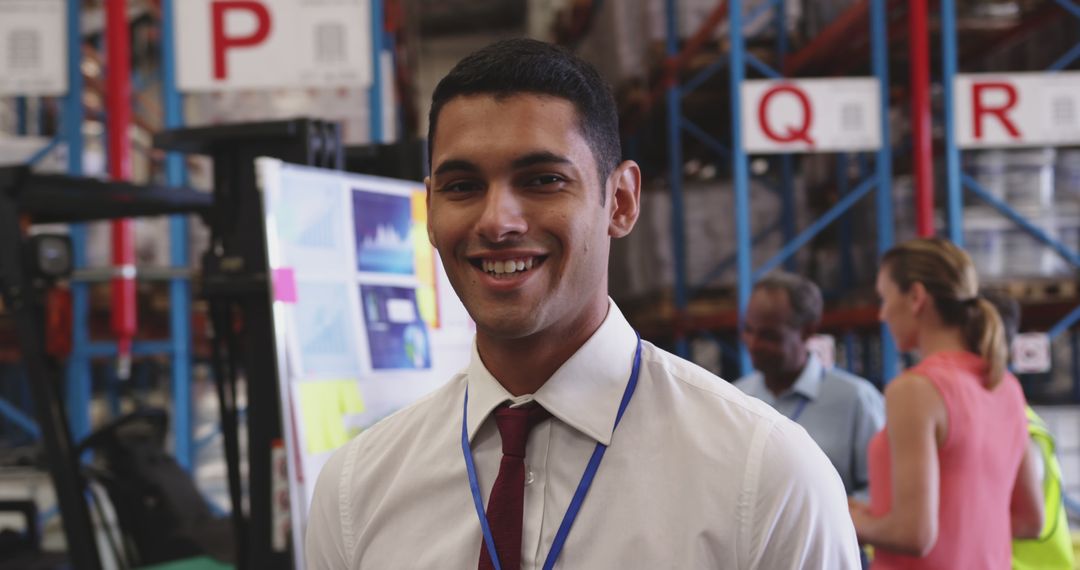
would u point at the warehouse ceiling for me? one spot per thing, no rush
(453, 17)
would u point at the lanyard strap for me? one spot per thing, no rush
(803, 400)
(799, 408)
(582, 488)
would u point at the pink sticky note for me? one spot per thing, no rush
(284, 285)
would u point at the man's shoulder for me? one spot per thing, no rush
(847, 382)
(797, 504)
(773, 441)
(413, 422)
(738, 420)
(751, 383)
(373, 461)
(706, 388)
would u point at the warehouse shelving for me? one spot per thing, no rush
(176, 342)
(173, 339)
(957, 180)
(843, 46)
(685, 322)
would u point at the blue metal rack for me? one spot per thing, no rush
(78, 375)
(179, 287)
(674, 133)
(78, 365)
(14, 401)
(957, 180)
(737, 61)
(375, 94)
(178, 345)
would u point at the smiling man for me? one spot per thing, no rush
(566, 442)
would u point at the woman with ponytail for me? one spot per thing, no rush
(951, 480)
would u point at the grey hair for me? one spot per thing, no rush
(803, 296)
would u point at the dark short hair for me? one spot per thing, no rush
(525, 66)
(803, 296)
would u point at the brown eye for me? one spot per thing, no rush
(546, 180)
(461, 187)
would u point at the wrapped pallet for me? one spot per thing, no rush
(625, 38)
(643, 264)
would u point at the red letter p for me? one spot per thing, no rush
(223, 42)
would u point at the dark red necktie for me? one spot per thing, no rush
(507, 500)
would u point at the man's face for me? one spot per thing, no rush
(776, 346)
(514, 209)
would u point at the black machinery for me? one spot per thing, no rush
(234, 283)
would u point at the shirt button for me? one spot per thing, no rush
(529, 478)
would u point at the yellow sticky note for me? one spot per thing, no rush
(323, 407)
(424, 261)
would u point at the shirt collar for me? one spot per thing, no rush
(585, 392)
(809, 381)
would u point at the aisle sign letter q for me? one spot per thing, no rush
(811, 115)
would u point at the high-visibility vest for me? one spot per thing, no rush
(1053, 549)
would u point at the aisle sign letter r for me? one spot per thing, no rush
(980, 108)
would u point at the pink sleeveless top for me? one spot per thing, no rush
(979, 461)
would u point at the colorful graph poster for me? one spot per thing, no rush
(312, 223)
(326, 335)
(397, 335)
(383, 222)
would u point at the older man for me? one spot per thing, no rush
(839, 410)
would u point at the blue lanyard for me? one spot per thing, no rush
(799, 409)
(582, 488)
(803, 400)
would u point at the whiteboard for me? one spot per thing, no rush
(365, 320)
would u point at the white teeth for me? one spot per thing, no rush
(508, 266)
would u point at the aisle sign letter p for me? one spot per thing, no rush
(223, 42)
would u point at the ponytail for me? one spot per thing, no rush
(985, 335)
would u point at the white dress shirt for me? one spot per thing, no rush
(698, 475)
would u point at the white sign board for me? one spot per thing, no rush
(1017, 109)
(251, 44)
(811, 115)
(33, 47)
(1031, 353)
